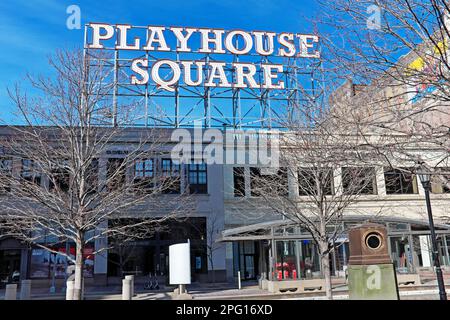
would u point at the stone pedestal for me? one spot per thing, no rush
(372, 282)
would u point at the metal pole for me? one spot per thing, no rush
(239, 280)
(177, 94)
(115, 89)
(435, 253)
(53, 287)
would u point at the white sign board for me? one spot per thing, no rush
(180, 263)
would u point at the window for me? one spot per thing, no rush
(5, 174)
(29, 172)
(115, 173)
(311, 181)
(266, 181)
(144, 174)
(197, 177)
(239, 181)
(60, 177)
(255, 175)
(400, 181)
(440, 182)
(170, 177)
(358, 180)
(143, 168)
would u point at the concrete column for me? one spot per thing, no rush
(229, 261)
(425, 250)
(126, 289)
(11, 292)
(247, 181)
(24, 263)
(337, 181)
(25, 290)
(69, 289)
(131, 278)
(228, 182)
(101, 258)
(293, 183)
(381, 185)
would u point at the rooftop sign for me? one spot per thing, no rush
(209, 70)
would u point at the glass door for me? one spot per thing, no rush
(249, 266)
(246, 263)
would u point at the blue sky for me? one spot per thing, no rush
(31, 30)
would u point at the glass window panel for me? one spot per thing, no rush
(400, 181)
(239, 181)
(286, 267)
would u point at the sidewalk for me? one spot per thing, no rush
(228, 291)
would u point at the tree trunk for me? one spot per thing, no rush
(213, 272)
(79, 265)
(212, 266)
(325, 264)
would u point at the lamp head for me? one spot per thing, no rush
(424, 177)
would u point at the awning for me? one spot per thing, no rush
(256, 231)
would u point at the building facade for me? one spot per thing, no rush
(230, 231)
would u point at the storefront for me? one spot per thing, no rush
(47, 265)
(150, 256)
(286, 252)
(13, 261)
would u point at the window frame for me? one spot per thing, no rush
(401, 178)
(197, 187)
(239, 182)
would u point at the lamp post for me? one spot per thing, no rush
(425, 179)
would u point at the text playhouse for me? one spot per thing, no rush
(168, 73)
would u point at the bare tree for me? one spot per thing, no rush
(328, 169)
(212, 230)
(57, 187)
(396, 51)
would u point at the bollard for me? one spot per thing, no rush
(239, 280)
(181, 289)
(11, 292)
(126, 289)
(131, 278)
(25, 290)
(69, 289)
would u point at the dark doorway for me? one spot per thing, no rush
(9, 266)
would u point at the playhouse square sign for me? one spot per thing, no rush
(167, 73)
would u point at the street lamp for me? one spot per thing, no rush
(425, 179)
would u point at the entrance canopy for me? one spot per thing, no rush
(287, 229)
